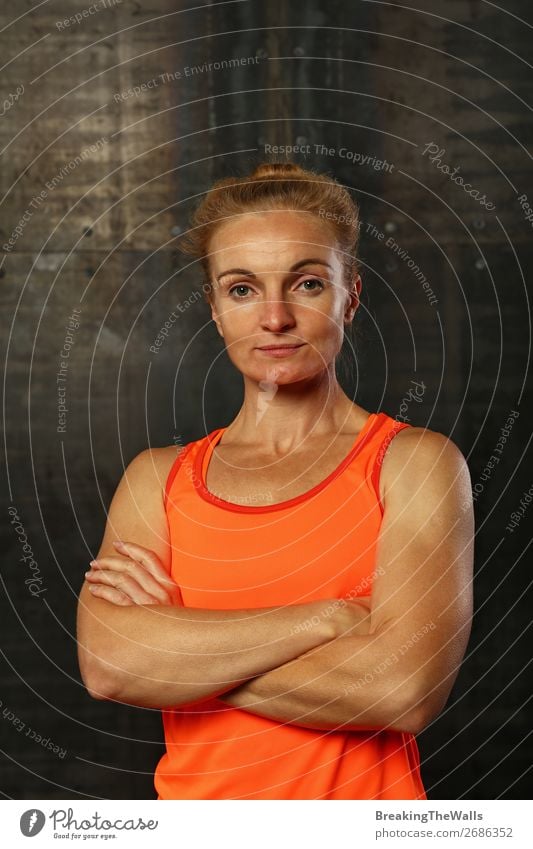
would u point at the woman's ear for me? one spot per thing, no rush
(214, 316)
(353, 296)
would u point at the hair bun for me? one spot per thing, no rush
(275, 169)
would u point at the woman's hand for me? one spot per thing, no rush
(137, 577)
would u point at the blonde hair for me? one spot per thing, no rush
(275, 186)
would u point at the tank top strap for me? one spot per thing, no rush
(174, 469)
(187, 456)
(212, 440)
(383, 438)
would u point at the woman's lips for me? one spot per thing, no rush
(281, 351)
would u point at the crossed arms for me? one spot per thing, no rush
(389, 661)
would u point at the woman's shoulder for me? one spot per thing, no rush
(162, 459)
(424, 443)
(419, 458)
(156, 463)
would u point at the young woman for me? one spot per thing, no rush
(294, 590)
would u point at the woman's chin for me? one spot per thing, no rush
(282, 375)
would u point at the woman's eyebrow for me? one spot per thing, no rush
(295, 267)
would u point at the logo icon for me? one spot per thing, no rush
(268, 389)
(31, 822)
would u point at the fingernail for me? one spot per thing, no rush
(88, 573)
(118, 542)
(93, 563)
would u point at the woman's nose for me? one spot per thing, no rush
(276, 313)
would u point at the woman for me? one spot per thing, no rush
(294, 589)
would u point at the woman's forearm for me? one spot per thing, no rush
(168, 656)
(300, 691)
(350, 683)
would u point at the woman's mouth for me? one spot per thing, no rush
(280, 350)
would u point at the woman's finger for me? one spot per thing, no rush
(123, 582)
(146, 557)
(110, 594)
(129, 567)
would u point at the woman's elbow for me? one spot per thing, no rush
(93, 676)
(94, 661)
(413, 721)
(96, 690)
(420, 712)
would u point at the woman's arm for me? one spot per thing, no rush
(397, 668)
(164, 656)
(401, 672)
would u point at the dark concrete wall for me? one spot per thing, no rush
(93, 229)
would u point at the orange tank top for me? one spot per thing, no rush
(320, 544)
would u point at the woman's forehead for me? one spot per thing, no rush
(254, 239)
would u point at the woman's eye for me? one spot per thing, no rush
(313, 280)
(239, 286)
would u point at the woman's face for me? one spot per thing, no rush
(278, 280)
